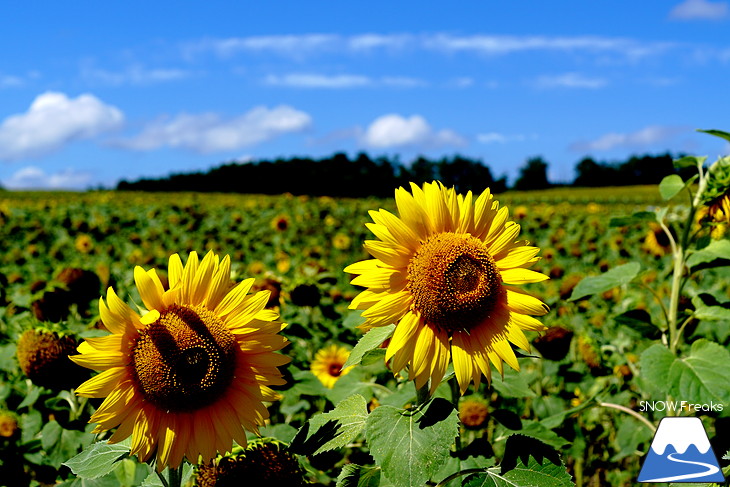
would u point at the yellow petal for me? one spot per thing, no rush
(388, 310)
(150, 290)
(404, 332)
(174, 270)
(521, 302)
(362, 266)
(521, 276)
(515, 256)
(462, 360)
(234, 298)
(103, 383)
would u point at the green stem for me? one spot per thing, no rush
(458, 474)
(455, 395)
(423, 395)
(626, 410)
(175, 477)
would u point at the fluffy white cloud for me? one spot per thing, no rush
(303, 80)
(32, 177)
(53, 120)
(302, 45)
(700, 10)
(313, 80)
(393, 130)
(209, 133)
(569, 80)
(497, 138)
(643, 138)
(136, 74)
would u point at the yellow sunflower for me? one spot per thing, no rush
(444, 272)
(327, 364)
(185, 377)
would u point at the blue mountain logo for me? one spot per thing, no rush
(680, 452)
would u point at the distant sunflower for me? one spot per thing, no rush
(84, 244)
(656, 241)
(444, 273)
(327, 364)
(187, 376)
(279, 223)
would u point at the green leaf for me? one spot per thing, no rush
(411, 445)
(615, 277)
(31, 397)
(704, 376)
(716, 250)
(689, 161)
(726, 456)
(333, 429)
(655, 363)
(712, 313)
(154, 481)
(50, 434)
(513, 385)
(97, 459)
(639, 320)
(536, 430)
(638, 217)
(670, 186)
(531, 474)
(371, 340)
(358, 476)
(717, 133)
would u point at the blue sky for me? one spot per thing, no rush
(95, 92)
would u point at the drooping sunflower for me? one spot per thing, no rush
(187, 376)
(327, 364)
(444, 272)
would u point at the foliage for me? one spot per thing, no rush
(638, 288)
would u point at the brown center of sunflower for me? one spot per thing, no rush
(335, 369)
(454, 281)
(185, 360)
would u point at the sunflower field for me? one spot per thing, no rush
(430, 339)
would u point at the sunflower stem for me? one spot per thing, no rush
(174, 477)
(423, 394)
(455, 395)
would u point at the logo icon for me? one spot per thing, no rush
(680, 452)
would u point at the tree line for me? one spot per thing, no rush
(362, 176)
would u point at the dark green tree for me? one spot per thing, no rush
(533, 175)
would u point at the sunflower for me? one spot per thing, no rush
(444, 272)
(327, 364)
(262, 461)
(473, 412)
(656, 241)
(84, 244)
(187, 376)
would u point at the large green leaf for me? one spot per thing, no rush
(97, 459)
(670, 186)
(530, 474)
(615, 277)
(410, 445)
(717, 250)
(655, 363)
(703, 377)
(371, 340)
(358, 476)
(717, 133)
(333, 429)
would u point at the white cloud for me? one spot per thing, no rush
(570, 80)
(700, 10)
(32, 177)
(302, 45)
(209, 133)
(643, 138)
(136, 74)
(54, 120)
(338, 81)
(302, 80)
(8, 81)
(393, 130)
(498, 138)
